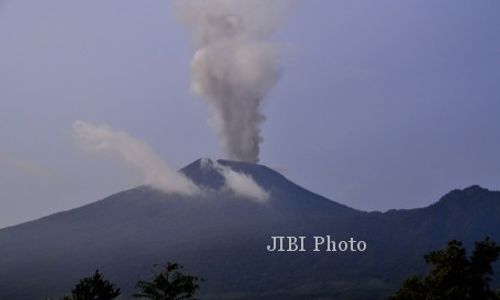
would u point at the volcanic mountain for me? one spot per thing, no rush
(222, 237)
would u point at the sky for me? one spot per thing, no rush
(381, 104)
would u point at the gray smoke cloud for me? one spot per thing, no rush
(235, 65)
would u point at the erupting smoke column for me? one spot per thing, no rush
(234, 66)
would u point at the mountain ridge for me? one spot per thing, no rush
(188, 170)
(222, 237)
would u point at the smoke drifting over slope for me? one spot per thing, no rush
(235, 66)
(101, 138)
(156, 172)
(239, 183)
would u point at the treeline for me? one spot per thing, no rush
(170, 283)
(453, 276)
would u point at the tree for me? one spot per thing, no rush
(454, 275)
(94, 288)
(169, 284)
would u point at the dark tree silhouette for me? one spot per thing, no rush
(454, 275)
(94, 288)
(169, 284)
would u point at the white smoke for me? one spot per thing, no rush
(235, 66)
(239, 183)
(244, 185)
(101, 138)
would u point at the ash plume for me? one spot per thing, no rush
(235, 65)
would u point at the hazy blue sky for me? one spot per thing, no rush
(383, 104)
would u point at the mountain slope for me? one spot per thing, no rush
(223, 238)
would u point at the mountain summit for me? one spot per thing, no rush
(284, 194)
(222, 236)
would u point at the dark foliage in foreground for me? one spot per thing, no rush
(94, 288)
(454, 275)
(169, 284)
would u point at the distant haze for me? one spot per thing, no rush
(379, 104)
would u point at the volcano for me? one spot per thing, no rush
(222, 237)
